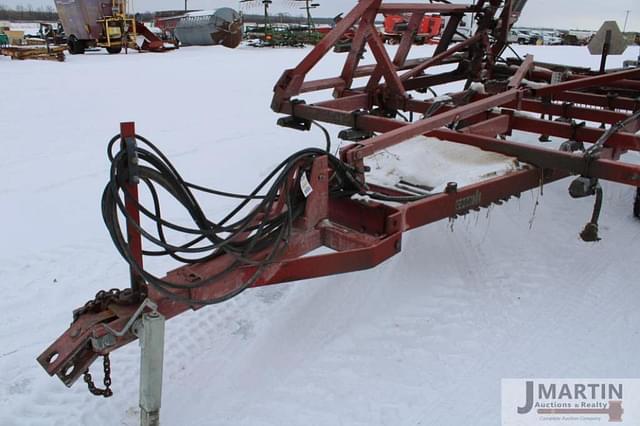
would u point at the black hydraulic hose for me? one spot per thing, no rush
(253, 240)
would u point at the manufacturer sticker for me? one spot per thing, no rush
(466, 203)
(305, 186)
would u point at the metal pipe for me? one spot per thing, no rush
(151, 363)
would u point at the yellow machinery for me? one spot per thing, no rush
(119, 29)
(90, 23)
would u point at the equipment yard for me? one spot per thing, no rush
(422, 339)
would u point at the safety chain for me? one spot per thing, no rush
(105, 298)
(106, 392)
(98, 304)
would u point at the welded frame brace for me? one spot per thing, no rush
(363, 233)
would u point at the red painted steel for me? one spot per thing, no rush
(437, 60)
(586, 82)
(521, 73)
(476, 196)
(361, 233)
(134, 239)
(408, 131)
(444, 9)
(426, 26)
(547, 158)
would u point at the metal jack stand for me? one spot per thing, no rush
(151, 335)
(150, 330)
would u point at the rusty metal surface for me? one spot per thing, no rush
(80, 17)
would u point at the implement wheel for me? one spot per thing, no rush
(114, 50)
(76, 47)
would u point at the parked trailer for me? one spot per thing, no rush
(221, 26)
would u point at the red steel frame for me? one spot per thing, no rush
(361, 233)
(134, 239)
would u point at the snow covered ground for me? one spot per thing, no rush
(27, 27)
(424, 339)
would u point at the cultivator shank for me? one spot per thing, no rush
(328, 202)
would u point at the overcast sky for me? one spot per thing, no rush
(563, 14)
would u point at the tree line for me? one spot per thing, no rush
(49, 14)
(44, 14)
(28, 13)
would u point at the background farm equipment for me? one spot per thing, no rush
(315, 199)
(282, 35)
(14, 45)
(271, 34)
(395, 26)
(91, 23)
(52, 34)
(222, 26)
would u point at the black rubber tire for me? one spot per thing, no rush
(70, 45)
(114, 50)
(636, 204)
(76, 47)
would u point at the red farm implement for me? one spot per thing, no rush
(314, 199)
(395, 25)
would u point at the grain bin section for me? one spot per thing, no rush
(221, 26)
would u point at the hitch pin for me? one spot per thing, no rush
(109, 339)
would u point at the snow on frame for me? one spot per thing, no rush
(423, 339)
(432, 163)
